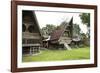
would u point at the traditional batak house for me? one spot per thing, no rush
(31, 35)
(62, 36)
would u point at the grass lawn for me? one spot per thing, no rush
(55, 55)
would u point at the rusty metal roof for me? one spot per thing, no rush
(56, 34)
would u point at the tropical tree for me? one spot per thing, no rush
(85, 17)
(76, 30)
(47, 30)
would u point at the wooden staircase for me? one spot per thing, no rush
(67, 46)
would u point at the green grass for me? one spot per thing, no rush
(55, 55)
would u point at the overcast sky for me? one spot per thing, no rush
(56, 18)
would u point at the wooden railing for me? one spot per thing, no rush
(31, 35)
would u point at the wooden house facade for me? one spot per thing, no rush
(31, 35)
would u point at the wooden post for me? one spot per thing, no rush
(30, 50)
(39, 49)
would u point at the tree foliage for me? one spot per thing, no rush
(76, 30)
(48, 29)
(85, 17)
(85, 39)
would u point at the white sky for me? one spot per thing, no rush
(56, 18)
